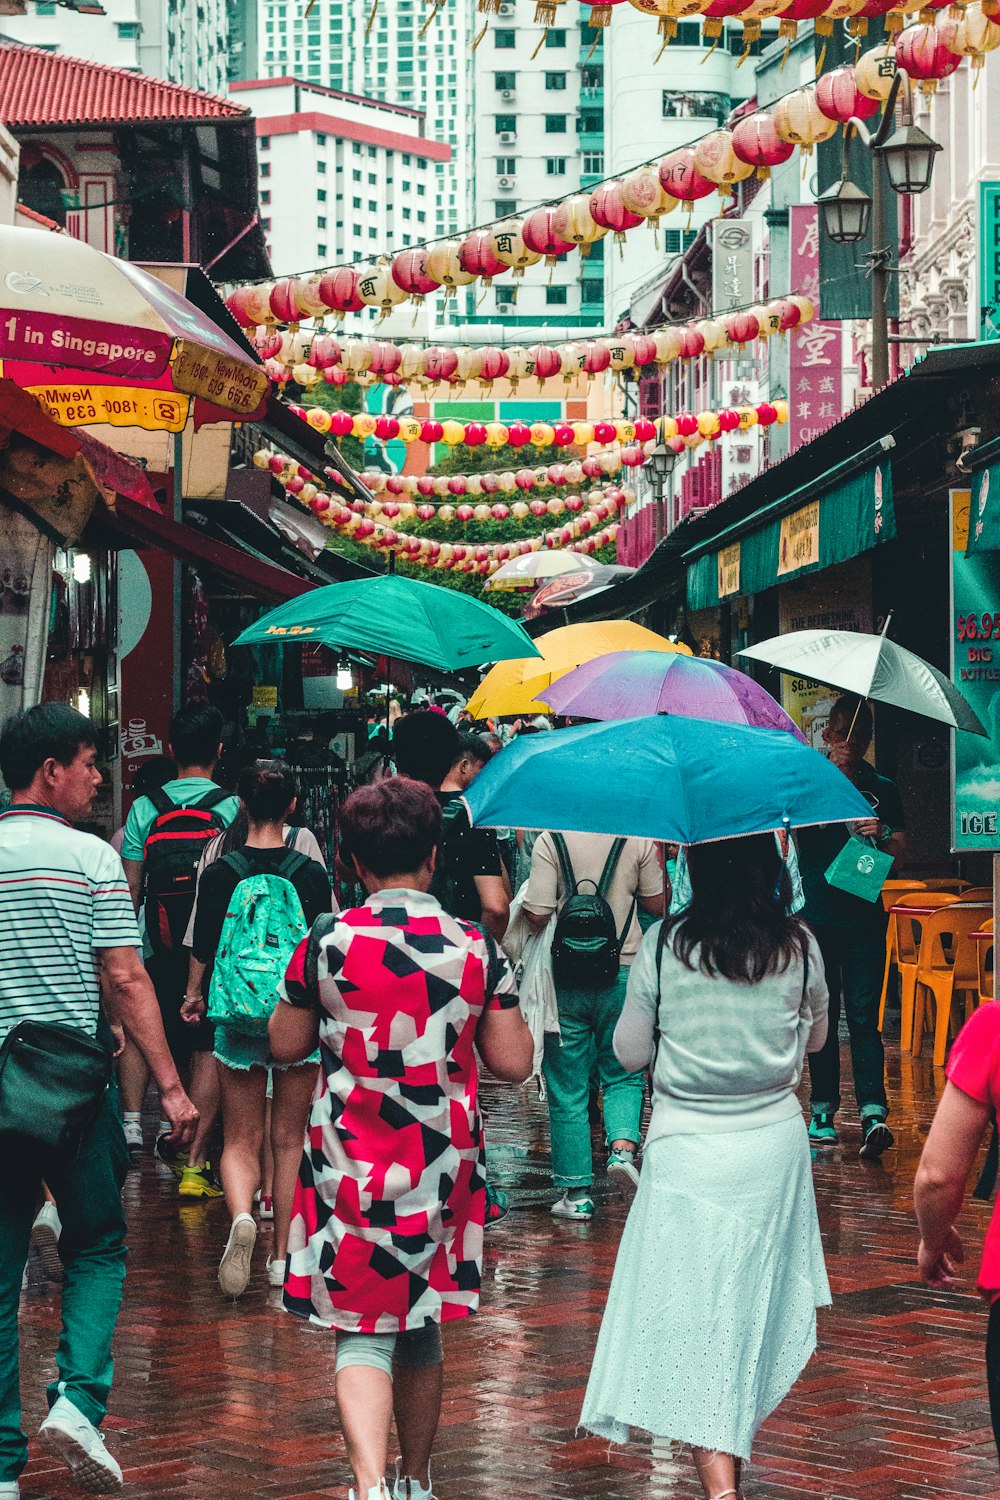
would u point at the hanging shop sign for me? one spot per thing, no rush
(815, 384)
(729, 570)
(975, 671)
(798, 540)
(732, 264)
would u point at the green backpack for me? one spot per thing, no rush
(263, 926)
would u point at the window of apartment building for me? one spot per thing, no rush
(591, 292)
(372, 151)
(505, 206)
(555, 166)
(695, 106)
(595, 255)
(591, 39)
(45, 8)
(373, 234)
(421, 217)
(592, 77)
(372, 179)
(676, 240)
(265, 169)
(321, 166)
(320, 223)
(355, 202)
(356, 149)
(555, 81)
(421, 190)
(321, 195)
(507, 38)
(127, 30)
(506, 165)
(590, 123)
(265, 224)
(406, 158)
(356, 176)
(321, 251)
(555, 124)
(593, 161)
(556, 296)
(504, 296)
(320, 138)
(407, 214)
(265, 196)
(555, 37)
(506, 124)
(505, 80)
(372, 207)
(264, 144)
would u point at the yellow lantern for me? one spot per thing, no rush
(305, 295)
(668, 12)
(541, 435)
(781, 408)
(453, 433)
(806, 309)
(708, 423)
(667, 427)
(622, 353)
(507, 244)
(668, 344)
(574, 472)
(768, 321)
(748, 417)
(874, 72)
(319, 419)
(444, 265)
(572, 361)
(306, 376)
(441, 485)
(411, 362)
(447, 550)
(520, 510)
(363, 425)
(496, 434)
(842, 10)
(374, 509)
(409, 429)
(292, 350)
(644, 194)
(716, 160)
(750, 19)
(542, 480)
(625, 430)
(308, 493)
(507, 482)
(573, 222)
(799, 119)
(407, 510)
(470, 364)
(482, 513)
(262, 457)
(376, 288)
(522, 365)
(975, 35)
(713, 333)
(584, 433)
(474, 485)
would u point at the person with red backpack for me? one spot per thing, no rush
(165, 836)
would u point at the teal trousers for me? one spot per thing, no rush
(88, 1195)
(587, 1020)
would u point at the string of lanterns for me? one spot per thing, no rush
(686, 426)
(714, 163)
(307, 359)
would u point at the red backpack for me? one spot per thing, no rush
(173, 847)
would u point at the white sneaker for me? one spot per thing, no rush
(406, 1488)
(67, 1433)
(275, 1272)
(623, 1173)
(377, 1492)
(133, 1137)
(266, 1209)
(10, 1490)
(573, 1208)
(45, 1232)
(234, 1267)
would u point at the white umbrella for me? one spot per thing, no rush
(871, 666)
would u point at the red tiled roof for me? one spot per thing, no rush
(47, 88)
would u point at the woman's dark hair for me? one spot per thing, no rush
(424, 747)
(49, 731)
(737, 924)
(267, 789)
(391, 827)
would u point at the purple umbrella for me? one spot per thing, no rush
(627, 684)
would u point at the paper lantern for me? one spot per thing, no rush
(282, 304)
(574, 472)
(608, 209)
(409, 429)
(900, 9)
(548, 361)
(563, 437)
(307, 296)
(475, 485)
(386, 428)
(713, 334)
(923, 54)
(757, 142)
(496, 434)
(799, 10)
(766, 414)
(355, 355)
(477, 258)
(632, 458)
(464, 513)
(668, 13)
(444, 264)
(306, 376)
(507, 244)
(644, 195)
(707, 423)
(604, 432)
(788, 313)
(718, 12)
(838, 97)
(324, 351)
(539, 235)
(339, 291)
(584, 434)
(596, 357)
(518, 434)
(680, 177)
(250, 305)
(431, 431)
(687, 424)
(522, 365)
(857, 25)
(716, 160)
(806, 309)
(692, 343)
(668, 345)
(475, 434)
(469, 364)
(376, 288)
(409, 271)
(748, 417)
(500, 511)
(768, 321)
(440, 363)
(341, 422)
(729, 420)
(571, 361)
(645, 431)
(573, 222)
(975, 35)
(621, 355)
(798, 119)
(495, 364)
(453, 433)
(643, 350)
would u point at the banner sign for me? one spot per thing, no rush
(798, 541)
(975, 671)
(729, 570)
(815, 379)
(732, 264)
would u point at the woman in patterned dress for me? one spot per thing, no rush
(387, 1229)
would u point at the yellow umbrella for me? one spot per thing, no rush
(513, 687)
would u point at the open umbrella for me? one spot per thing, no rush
(628, 683)
(516, 687)
(395, 617)
(871, 666)
(100, 340)
(686, 781)
(533, 568)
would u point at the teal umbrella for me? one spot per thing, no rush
(395, 617)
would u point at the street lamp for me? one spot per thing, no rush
(661, 461)
(909, 160)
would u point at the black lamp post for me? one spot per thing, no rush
(661, 461)
(908, 155)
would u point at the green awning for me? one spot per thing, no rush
(984, 514)
(788, 539)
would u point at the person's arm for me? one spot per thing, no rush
(131, 1002)
(948, 1155)
(634, 1039)
(505, 1044)
(817, 998)
(133, 874)
(194, 1007)
(542, 888)
(495, 904)
(293, 1028)
(650, 890)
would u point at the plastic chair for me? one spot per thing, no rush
(895, 890)
(976, 893)
(907, 941)
(945, 883)
(902, 891)
(941, 976)
(987, 977)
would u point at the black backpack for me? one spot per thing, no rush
(174, 845)
(586, 945)
(444, 886)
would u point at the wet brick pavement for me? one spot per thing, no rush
(222, 1401)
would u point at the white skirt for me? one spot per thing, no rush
(711, 1315)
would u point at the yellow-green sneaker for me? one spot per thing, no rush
(198, 1182)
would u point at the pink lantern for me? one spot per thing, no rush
(426, 512)
(395, 484)
(632, 458)
(574, 502)
(489, 484)
(338, 290)
(592, 468)
(837, 97)
(525, 479)
(464, 513)
(283, 303)
(539, 234)
(476, 257)
(538, 508)
(409, 271)
(334, 375)
(385, 358)
(741, 327)
(643, 349)
(757, 142)
(495, 364)
(325, 351)
(440, 364)
(596, 357)
(692, 343)
(500, 512)
(563, 435)
(922, 53)
(457, 484)
(556, 473)
(548, 361)
(680, 179)
(425, 484)
(608, 210)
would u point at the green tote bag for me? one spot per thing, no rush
(860, 869)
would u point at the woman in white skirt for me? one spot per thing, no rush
(711, 1315)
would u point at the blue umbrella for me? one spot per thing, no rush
(686, 781)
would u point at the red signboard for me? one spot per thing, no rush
(815, 379)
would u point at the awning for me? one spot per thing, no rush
(847, 512)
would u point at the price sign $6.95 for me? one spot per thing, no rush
(973, 627)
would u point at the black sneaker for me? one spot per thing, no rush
(822, 1131)
(878, 1138)
(166, 1152)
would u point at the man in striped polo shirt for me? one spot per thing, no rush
(69, 941)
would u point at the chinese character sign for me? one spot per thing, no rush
(815, 385)
(732, 264)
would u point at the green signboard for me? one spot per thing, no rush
(975, 670)
(989, 260)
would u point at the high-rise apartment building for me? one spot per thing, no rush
(186, 41)
(432, 73)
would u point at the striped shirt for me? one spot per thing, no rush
(63, 897)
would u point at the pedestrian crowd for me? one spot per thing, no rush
(334, 1052)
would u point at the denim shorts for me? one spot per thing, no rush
(244, 1050)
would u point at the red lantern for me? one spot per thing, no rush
(490, 483)
(596, 357)
(334, 375)
(390, 510)
(632, 458)
(616, 498)
(525, 479)
(386, 358)
(729, 420)
(563, 435)
(766, 414)
(608, 209)
(495, 364)
(386, 428)
(790, 313)
(425, 485)
(338, 291)
(460, 553)
(574, 502)
(692, 343)
(457, 484)
(645, 431)
(556, 473)
(476, 257)
(500, 512)
(741, 327)
(341, 423)
(718, 11)
(435, 551)
(538, 233)
(538, 508)
(464, 513)
(922, 54)
(837, 97)
(679, 178)
(319, 504)
(592, 468)
(409, 271)
(518, 434)
(643, 349)
(426, 512)
(800, 10)
(757, 142)
(605, 432)
(324, 351)
(395, 485)
(283, 303)
(367, 528)
(440, 364)
(687, 425)
(548, 361)
(430, 432)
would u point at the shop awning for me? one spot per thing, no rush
(846, 512)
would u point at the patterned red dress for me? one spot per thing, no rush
(387, 1224)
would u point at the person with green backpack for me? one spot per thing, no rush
(255, 905)
(592, 885)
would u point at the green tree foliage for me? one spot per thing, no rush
(349, 397)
